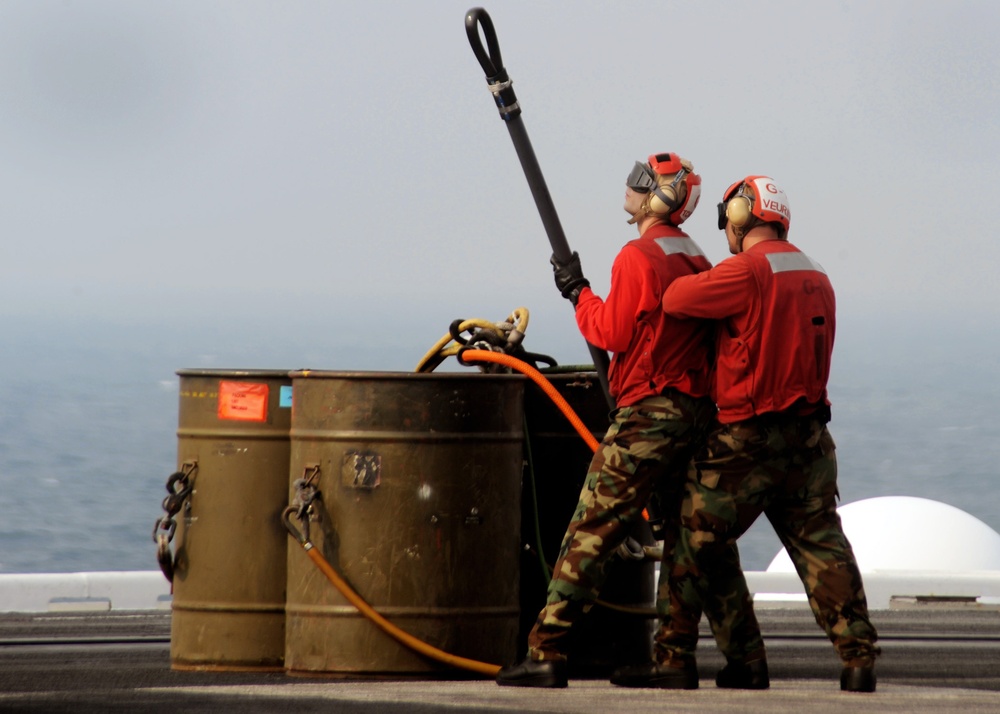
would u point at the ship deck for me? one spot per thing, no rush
(935, 659)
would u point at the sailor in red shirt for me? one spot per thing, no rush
(772, 451)
(660, 379)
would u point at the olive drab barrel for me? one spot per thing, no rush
(558, 461)
(419, 478)
(230, 545)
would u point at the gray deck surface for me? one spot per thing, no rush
(933, 660)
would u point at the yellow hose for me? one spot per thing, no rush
(437, 354)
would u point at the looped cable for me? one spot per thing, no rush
(491, 62)
(504, 337)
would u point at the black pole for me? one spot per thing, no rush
(510, 112)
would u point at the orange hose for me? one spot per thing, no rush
(539, 379)
(399, 635)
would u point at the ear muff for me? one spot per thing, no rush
(663, 200)
(738, 210)
(667, 199)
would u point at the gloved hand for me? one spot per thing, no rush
(569, 277)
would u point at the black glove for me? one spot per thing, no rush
(569, 277)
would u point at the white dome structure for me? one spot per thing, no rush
(914, 534)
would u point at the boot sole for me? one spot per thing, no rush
(744, 686)
(540, 682)
(657, 684)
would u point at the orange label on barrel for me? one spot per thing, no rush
(242, 402)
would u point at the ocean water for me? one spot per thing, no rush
(89, 416)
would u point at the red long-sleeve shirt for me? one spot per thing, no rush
(651, 350)
(778, 318)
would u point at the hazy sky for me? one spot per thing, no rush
(344, 163)
(328, 184)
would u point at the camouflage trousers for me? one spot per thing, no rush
(784, 466)
(646, 450)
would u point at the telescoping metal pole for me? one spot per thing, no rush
(510, 111)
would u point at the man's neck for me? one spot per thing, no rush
(648, 221)
(759, 234)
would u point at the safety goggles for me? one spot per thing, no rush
(642, 179)
(723, 219)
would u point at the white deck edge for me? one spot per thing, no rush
(883, 586)
(149, 590)
(46, 592)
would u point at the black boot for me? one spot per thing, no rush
(549, 673)
(656, 675)
(858, 679)
(744, 675)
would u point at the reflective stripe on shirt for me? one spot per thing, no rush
(784, 262)
(672, 246)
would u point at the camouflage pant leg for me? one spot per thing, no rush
(786, 466)
(804, 515)
(647, 444)
(724, 496)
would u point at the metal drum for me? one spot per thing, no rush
(420, 478)
(559, 459)
(229, 573)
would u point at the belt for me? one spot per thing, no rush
(800, 410)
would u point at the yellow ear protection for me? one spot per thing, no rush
(737, 210)
(667, 199)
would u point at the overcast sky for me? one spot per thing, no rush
(344, 162)
(239, 184)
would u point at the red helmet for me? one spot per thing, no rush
(754, 196)
(666, 198)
